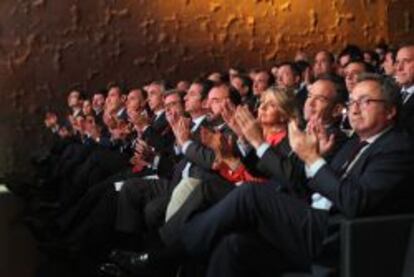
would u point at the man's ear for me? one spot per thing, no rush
(123, 98)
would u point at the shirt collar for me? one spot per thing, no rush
(373, 138)
(121, 110)
(158, 113)
(409, 90)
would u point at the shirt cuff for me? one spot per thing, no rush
(144, 129)
(177, 149)
(262, 149)
(312, 169)
(186, 145)
(243, 147)
(55, 129)
(156, 162)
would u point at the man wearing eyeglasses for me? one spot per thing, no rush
(257, 228)
(404, 74)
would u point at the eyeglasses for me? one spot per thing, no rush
(364, 102)
(171, 104)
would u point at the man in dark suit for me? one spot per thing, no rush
(137, 193)
(261, 81)
(289, 76)
(284, 232)
(404, 74)
(324, 63)
(325, 101)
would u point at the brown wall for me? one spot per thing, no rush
(47, 47)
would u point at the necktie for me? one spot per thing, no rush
(193, 126)
(404, 95)
(354, 152)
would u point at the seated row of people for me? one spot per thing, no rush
(240, 182)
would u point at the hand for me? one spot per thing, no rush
(222, 147)
(181, 130)
(219, 143)
(172, 117)
(304, 144)
(227, 114)
(326, 142)
(145, 151)
(249, 126)
(137, 160)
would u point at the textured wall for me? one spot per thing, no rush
(47, 47)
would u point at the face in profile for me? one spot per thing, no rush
(216, 99)
(351, 73)
(155, 101)
(319, 103)
(269, 112)
(404, 66)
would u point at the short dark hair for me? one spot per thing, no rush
(388, 87)
(368, 67)
(271, 78)
(234, 95)
(206, 86)
(177, 92)
(331, 56)
(393, 53)
(353, 51)
(340, 87)
(302, 65)
(246, 81)
(293, 66)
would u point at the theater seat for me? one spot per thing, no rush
(18, 254)
(375, 246)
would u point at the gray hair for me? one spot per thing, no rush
(388, 88)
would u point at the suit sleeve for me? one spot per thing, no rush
(200, 155)
(286, 168)
(363, 192)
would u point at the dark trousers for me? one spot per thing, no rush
(205, 195)
(142, 204)
(289, 226)
(246, 254)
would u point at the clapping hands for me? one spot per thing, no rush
(312, 143)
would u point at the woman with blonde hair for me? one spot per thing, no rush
(277, 107)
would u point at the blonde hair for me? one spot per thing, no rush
(286, 99)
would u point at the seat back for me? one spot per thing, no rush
(375, 246)
(409, 257)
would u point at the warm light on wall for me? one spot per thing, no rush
(258, 33)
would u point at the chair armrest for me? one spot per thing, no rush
(374, 246)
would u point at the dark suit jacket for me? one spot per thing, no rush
(406, 116)
(301, 97)
(284, 167)
(378, 183)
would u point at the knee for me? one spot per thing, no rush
(154, 214)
